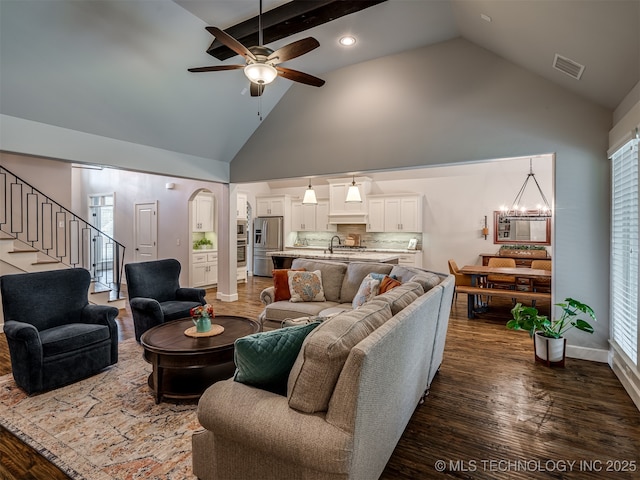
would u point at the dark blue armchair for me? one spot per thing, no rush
(155, 295)
(55, 336)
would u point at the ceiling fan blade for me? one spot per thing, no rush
(256, 89)
(215, 68)
(301, 77)
(293, 50)
(231, 42)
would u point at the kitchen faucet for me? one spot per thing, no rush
(331, 243)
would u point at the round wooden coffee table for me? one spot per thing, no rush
(184, 366)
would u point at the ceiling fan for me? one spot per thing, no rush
(262, 63)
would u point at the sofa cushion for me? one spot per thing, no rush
(265, 359)
(401, 296)
(281, 284)
(356, 271)
(428, 280)
(368, 289)
(68, 338)
(388, 283)
(332, 275)
(320, 361)
(282, 310)
(306, 286)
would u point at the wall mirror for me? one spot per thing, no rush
(525, 230)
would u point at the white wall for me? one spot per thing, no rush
(174, 223)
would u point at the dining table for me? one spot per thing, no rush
(479, 273)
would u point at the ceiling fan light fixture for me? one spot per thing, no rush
(347, 40)
(260, 73)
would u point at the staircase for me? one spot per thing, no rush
(37, 233)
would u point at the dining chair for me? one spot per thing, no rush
(498, 280)
(460, 278)
(541, 284)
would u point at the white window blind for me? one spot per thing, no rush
(624, 249)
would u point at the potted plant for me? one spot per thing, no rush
(549, 342)
(202, 243)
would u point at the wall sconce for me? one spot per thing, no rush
(353, 194)
(309, 196)
(485, 229)
(170, 186)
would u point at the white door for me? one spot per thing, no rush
(145, 232)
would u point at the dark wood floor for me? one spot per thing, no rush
(492, 412)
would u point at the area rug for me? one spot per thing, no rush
(107, 426)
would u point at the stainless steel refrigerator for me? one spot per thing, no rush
(267, 237)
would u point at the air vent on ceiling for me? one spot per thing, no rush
(568, 66)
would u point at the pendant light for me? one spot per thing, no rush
(353, 194)
(518, 210)
(309, 196)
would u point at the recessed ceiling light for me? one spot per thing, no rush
(347, 40)
(484, 17)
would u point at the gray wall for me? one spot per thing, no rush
(448, 103)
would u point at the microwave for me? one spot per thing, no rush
(241, 229)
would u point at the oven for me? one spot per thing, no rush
(242, 253)
(241, 229)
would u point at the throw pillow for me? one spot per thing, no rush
(306, 286)
(388, 283)
(368, 289)
(281, 284)
(264, 359)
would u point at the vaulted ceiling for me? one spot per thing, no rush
(118, 69)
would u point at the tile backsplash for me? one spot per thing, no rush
(395, 240)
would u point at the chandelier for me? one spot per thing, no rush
(518, 210)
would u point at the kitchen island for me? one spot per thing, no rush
(283, 259)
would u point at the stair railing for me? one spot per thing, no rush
(30, 216)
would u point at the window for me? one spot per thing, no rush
(624, 250)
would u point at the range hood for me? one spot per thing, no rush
(342, 212)
(345, 218)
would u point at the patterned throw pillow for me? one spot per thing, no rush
(281, 284)
(306, 286)
(368, 289)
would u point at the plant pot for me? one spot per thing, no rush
(550, 351)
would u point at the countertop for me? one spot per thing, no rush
(340, 255)
(367, 249)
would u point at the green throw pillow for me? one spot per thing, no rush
(265, 359)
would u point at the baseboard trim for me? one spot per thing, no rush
(585, 353)
(227, 298)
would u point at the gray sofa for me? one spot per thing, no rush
(351, 392)
(340, 282)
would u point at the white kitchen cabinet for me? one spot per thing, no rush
(204, 268)
(303, 217)
(396, 213)
(322, 217)
(241, 274)
(202, 210)
(274, 206)
(241, 204)
(411, 259)
(376, 215)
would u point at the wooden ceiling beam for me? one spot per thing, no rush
(286, 20)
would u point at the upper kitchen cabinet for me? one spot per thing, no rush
(341, 211)
(203, 212)
(273, 206)
(311, 218)
(303, 217)
(241, 206)
(322, 217)
(395, 213)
